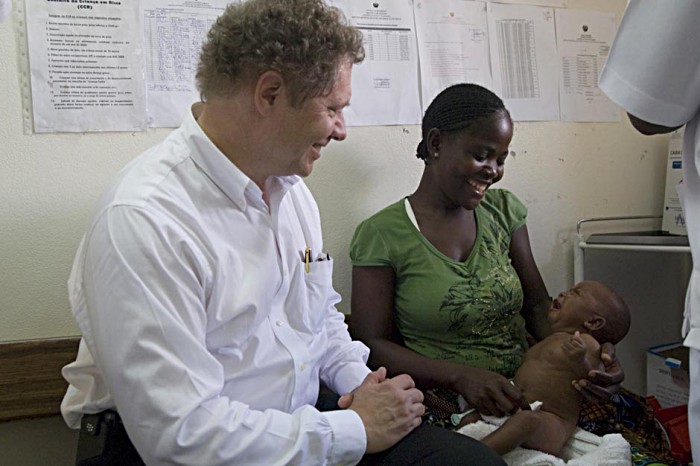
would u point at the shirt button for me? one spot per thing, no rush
(279, 323)
(302, 366)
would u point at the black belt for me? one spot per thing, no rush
(103, 440)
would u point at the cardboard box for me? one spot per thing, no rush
(667, 374)
(673, 220)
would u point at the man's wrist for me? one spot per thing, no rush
(349, 436)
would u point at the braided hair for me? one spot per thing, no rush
(457, 107)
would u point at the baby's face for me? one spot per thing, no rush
(570, 309)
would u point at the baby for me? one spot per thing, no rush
(581, 319)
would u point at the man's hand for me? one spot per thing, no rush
(599, 385)
(389, 408)
(377, 376)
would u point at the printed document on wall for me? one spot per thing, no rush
(583, 39)
(385, 86)
(524, 60)
(86, 66)
(5, 9)
(174, 31)
(453, 45)
(554, 3)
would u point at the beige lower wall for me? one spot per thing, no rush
(37, 442)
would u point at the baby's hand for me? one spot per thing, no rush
(574, 347)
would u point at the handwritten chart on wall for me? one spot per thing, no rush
(173, 36)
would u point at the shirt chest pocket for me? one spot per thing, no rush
(309, 294)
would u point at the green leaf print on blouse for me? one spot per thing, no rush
(488, 298)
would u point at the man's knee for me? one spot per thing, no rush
(428, 445)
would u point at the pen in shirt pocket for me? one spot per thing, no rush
(307, 258)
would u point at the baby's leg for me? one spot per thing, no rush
(538, 430)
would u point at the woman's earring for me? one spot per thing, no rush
(437, 154)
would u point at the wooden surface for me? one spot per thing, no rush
(31, 384)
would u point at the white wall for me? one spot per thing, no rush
(48, 184)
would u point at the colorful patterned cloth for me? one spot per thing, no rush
(626, 413)
(631, 416)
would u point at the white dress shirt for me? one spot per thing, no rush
(200, 322)
(653, 72)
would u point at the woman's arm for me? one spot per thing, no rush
(536, 299)
(372, 305)
(600, 385)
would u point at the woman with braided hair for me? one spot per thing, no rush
(445, 286)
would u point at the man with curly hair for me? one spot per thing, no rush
(201, 290)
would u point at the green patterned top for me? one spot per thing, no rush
(466, 312)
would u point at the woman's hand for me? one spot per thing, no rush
(599, 385)
(488, 392)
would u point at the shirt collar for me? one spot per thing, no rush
(235, 184)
